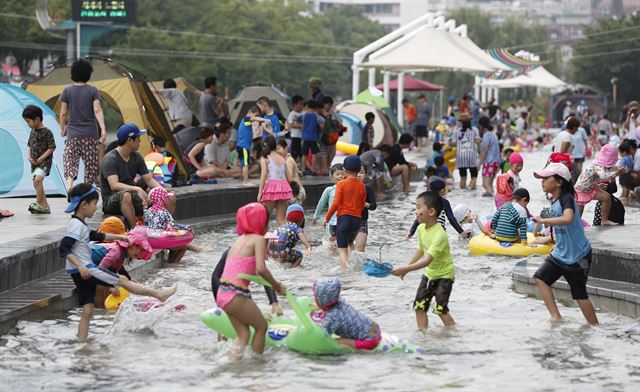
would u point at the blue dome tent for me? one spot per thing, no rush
(15, 170)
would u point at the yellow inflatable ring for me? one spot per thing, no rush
(347, 148)
(112, 303)
(483, 245)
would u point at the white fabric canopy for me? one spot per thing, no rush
(470, 47)
(431, 48)
(537, 77)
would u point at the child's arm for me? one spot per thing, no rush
(371, 199)
(84, 271)
(263, 176)
(414, 264)
(482, 227)
(113, 237)
(523, 230)
(564, 220)
(44, 156)
(305, 241)
(536, 229)
(193, 153)
(452, 219)
(321, 203)
(413, 229)
(261, 268)
(259, 119)
(337, 201)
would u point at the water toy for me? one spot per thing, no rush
(169, 239)
(347, 148)
(483, 245)
(302, 333)
(112, 302)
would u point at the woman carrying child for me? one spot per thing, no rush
(603, 168)
(246, 256)
(274, 191)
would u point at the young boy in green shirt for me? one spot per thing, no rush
(433, 254)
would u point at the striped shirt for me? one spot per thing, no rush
(466, 147)
(510, 219)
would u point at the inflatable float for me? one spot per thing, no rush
(169, 239)
(347, 148)
(483, 245)
(113, 303)
(302, 333)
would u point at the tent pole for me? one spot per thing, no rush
(441, 107)
(355, 82)
(386, 80)
(400, 97)
(372, 77)
(476, 86)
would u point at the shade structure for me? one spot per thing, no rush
(537, 77)
(430, 48)
(413, 84)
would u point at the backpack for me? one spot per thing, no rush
(331, 132)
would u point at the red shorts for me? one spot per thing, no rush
(490, 169)
(368, 344)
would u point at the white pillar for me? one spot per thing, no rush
(400, 98)
(386, 77)
(372, 77)
(496, 95)
(355, 81)
(476, 86)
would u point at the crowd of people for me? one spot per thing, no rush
(280, 150)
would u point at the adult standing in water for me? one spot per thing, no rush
(467, 140)
(82, 123)
(314, 86)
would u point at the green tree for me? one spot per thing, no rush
(610, 49)
(23, 37)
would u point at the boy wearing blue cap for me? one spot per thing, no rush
(118, 169)
(285, 238)
(350, 200)
(75, 248)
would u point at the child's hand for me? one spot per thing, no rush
(84, 273)
(537, 219)
(32, 161)
(280, 288)
(493, 235)
(277, 309)
(621, 170)
(409, 235)
(124, 238)
(308, 253)
(400, 272)
(259, 196)
(115, 291)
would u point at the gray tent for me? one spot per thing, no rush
(248, 95)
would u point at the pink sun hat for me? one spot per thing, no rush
(553, 169)
(138, 236)
(607, 157)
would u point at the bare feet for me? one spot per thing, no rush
(555, 320)
(248, 184)
(168, 292)
(609, 223)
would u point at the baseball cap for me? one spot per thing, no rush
(129, 130)
(554, 169)
(436, 184)
(352, 163)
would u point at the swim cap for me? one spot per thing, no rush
(112, 225)
(159, 197)
(251, 219)
(460, 212)
(327, 292)
(515, 158)
(295, 213)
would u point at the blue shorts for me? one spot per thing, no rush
(347, 230)
(243, 156)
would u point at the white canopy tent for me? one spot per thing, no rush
(538, 77)
(430, 42)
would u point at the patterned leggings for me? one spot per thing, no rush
(85, 148)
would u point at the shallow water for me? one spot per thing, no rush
(502, 339)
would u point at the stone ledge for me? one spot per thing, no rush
(608, 295)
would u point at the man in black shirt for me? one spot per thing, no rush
(395, 161)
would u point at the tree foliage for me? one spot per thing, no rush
(183, 38)
(610, 50)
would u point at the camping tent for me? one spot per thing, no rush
(366, 96)
(125, 90)
(15, 176)
(248, 95)
(384, 133)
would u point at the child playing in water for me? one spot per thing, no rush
(439, 272)
(353, 328)
(329, 193)
(246, 256)
(510, 221)
(350, 200)
(469, 221)
(158, 217)
(441, 170)
(287, 236)
(75, 248)
(436, 184)
(249, 127)
(505, 165)
(571, 257)
(274, 191)
(510, 181)
(587, 187)
(370, 205)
